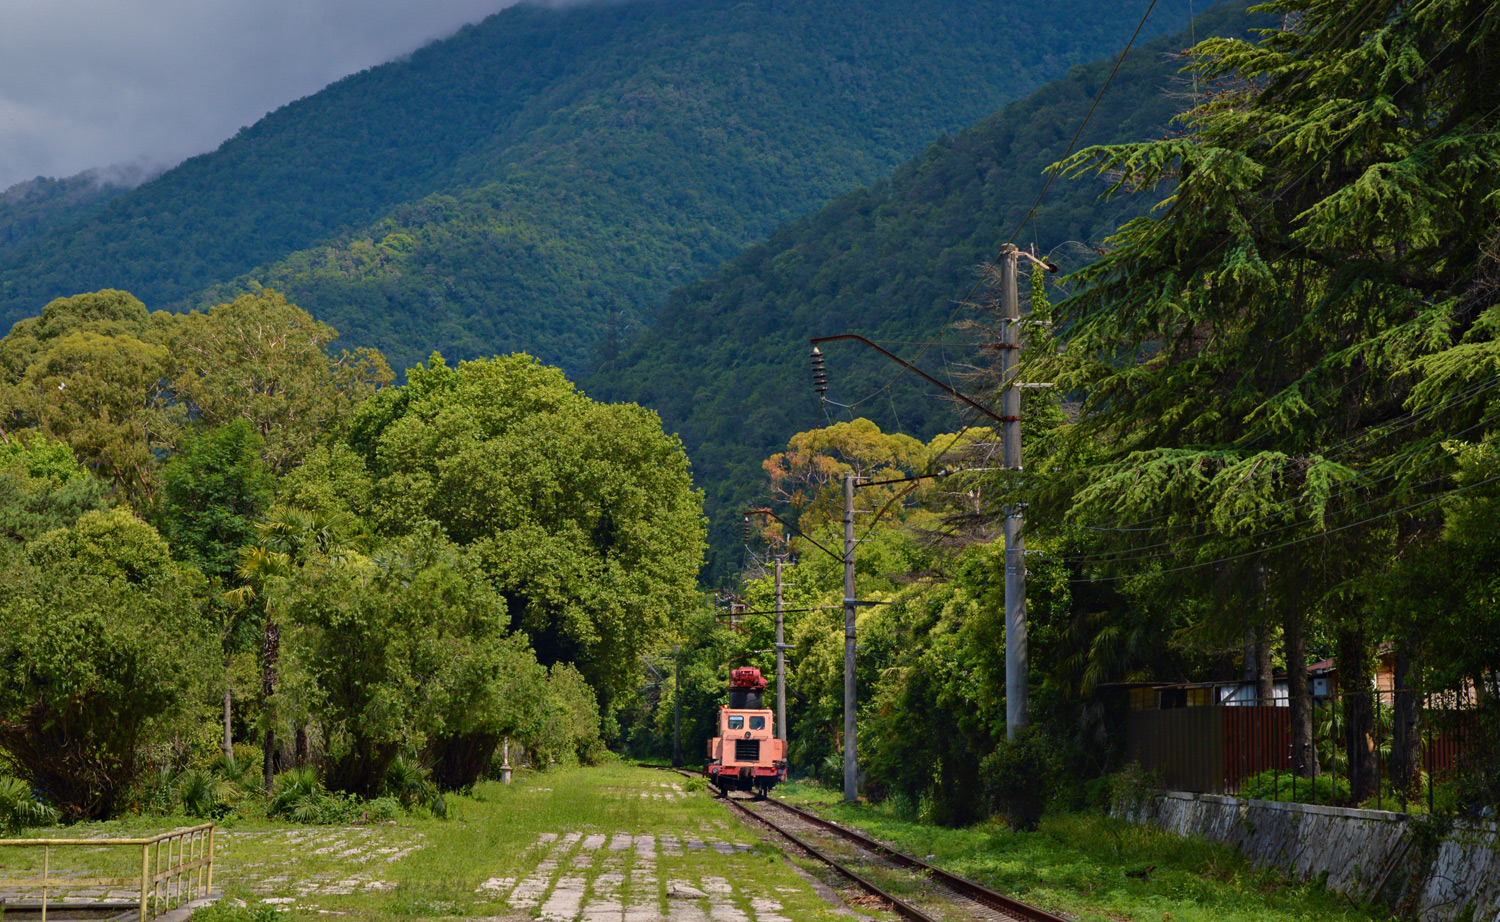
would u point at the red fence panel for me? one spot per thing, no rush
(1257, 738)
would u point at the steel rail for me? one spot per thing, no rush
(962, 885)
(977, 892)
(900, 906)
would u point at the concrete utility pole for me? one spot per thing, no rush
(1017, 658)
(780, 662)
(851, 758)
(677, 706)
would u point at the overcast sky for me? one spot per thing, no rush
(91, 83)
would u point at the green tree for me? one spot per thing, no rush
(90, 372)
(42, 487)
(269, 573)
(1270, 365)
(267, 362)
(408, 650)
(213, 492)
(808, 477)
(571, 733)
(103, 642)
(582, 514)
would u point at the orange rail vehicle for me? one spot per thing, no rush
(746, 754)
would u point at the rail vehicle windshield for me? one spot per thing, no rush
(757, 723)
(736, 721)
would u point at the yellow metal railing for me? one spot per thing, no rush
(176, 868)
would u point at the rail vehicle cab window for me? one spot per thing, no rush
(757, 723)
(736, 721)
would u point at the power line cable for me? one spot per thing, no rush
(1352, 443)
(1322, 534)
(1271, 509)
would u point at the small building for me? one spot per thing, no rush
(1209, 737)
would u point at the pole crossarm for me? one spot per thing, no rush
(791, 610)
(948, 389)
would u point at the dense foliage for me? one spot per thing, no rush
(103, 642)
(724, 360)
(1285, 369)
(34, 208)
(416, 576)
(1273, 446)
(504, 189)
(581, 514)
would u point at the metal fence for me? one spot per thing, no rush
(176, 868)
(1222, 748)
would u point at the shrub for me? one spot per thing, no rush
(247, 756)
(1270, 785)
(572, 729)
(904, 807)
(299, 784)
(1019, 778)
(157, 792)
(214, 792)
(20, 809)
(1130, 789)
(225, 911)
(105, 641)
(202, 794)
(831, 770)
(299, 796)
(382, 809)
(411, 785)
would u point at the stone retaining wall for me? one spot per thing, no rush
(1369, 854)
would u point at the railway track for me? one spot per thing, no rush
(944, 896)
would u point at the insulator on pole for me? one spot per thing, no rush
(820, 377)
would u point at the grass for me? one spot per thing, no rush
(1076, 865)
(422, 867)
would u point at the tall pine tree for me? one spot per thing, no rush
(1281, 367)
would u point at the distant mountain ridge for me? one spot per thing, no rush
(725, 359)
(546, 176)
(34, 208)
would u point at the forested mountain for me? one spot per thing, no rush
(36, 207)
(725, 360)
(520, 184)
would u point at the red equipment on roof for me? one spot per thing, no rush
(747, 677)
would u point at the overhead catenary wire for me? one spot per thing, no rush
(1345, 446)
(1286, 544)
(1270, 509)
(1132, 555)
